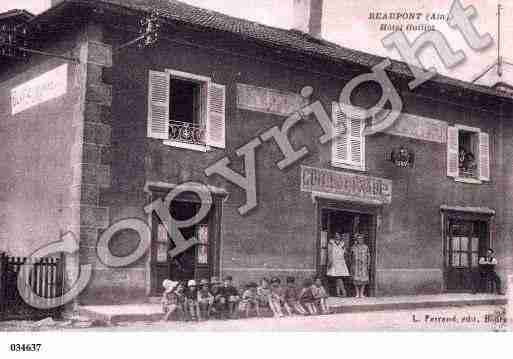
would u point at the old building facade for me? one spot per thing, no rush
(92, 141)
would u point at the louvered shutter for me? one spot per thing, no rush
(452, 152)
(216, 119)
(356, 147)
(484, 156)
(339, 144)
(158, 105)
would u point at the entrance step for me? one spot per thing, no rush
(152, 311)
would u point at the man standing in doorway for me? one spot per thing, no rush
(487, 271)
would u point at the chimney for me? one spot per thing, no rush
(54, 2)
(308, 17)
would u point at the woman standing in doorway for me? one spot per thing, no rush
(337, 267)
(361, 265)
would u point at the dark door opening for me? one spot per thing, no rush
(465, 241)
(347, 223)
(198, 261)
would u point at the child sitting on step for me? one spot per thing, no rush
(170, 301)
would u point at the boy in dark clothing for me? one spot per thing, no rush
(306, 297)
(219, 304)
(205, 300)
(291, 297)
(191, 300)
(487, 273)
(231, 296)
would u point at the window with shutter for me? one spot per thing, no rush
(186, 110)
(355, 130)
(158, 105)
(468, 154)
(348, 148)
(484, 156)
(452, 152)
(340, 144)
(215, 134)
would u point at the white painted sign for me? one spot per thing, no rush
(45, 87)
(261, 99)
(420, 128)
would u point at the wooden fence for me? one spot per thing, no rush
(45, 278)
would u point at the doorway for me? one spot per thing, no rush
(465, 241)
(200, 261)
(347, 221)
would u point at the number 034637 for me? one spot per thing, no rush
(25, 347)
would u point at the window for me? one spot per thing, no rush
(468, 154)
(186, 110)
(348, 148)
(202, 245)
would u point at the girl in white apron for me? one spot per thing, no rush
(337, 267)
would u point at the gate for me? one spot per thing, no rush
(45, 277)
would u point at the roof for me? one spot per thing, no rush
(275, 37)
(16, 13)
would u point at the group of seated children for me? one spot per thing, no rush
(189, 301)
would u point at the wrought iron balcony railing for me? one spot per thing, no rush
(186, 132)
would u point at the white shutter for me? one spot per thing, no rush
(158, 104)
(339, 144)
(452, 152)
(356, 144)
(484, 156)
(216, 116)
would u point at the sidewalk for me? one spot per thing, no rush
(112, 314)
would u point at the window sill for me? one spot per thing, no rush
(348, 167)
(467, 180)
(187, 146)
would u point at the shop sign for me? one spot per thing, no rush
(45, 87)
(350, 185)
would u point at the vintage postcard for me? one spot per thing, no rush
(212, 165)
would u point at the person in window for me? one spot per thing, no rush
(337, 267)
(487, 270)
(469, 163)
(461, 158)
(361, 264)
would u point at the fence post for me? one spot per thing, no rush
(3, 260)
(61, 275)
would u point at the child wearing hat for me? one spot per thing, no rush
(250, 300)
(291, 298)
(306, 297)
(170, 304)
(205, 300)
(231, 295)
(276, 299)
(191, 300)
